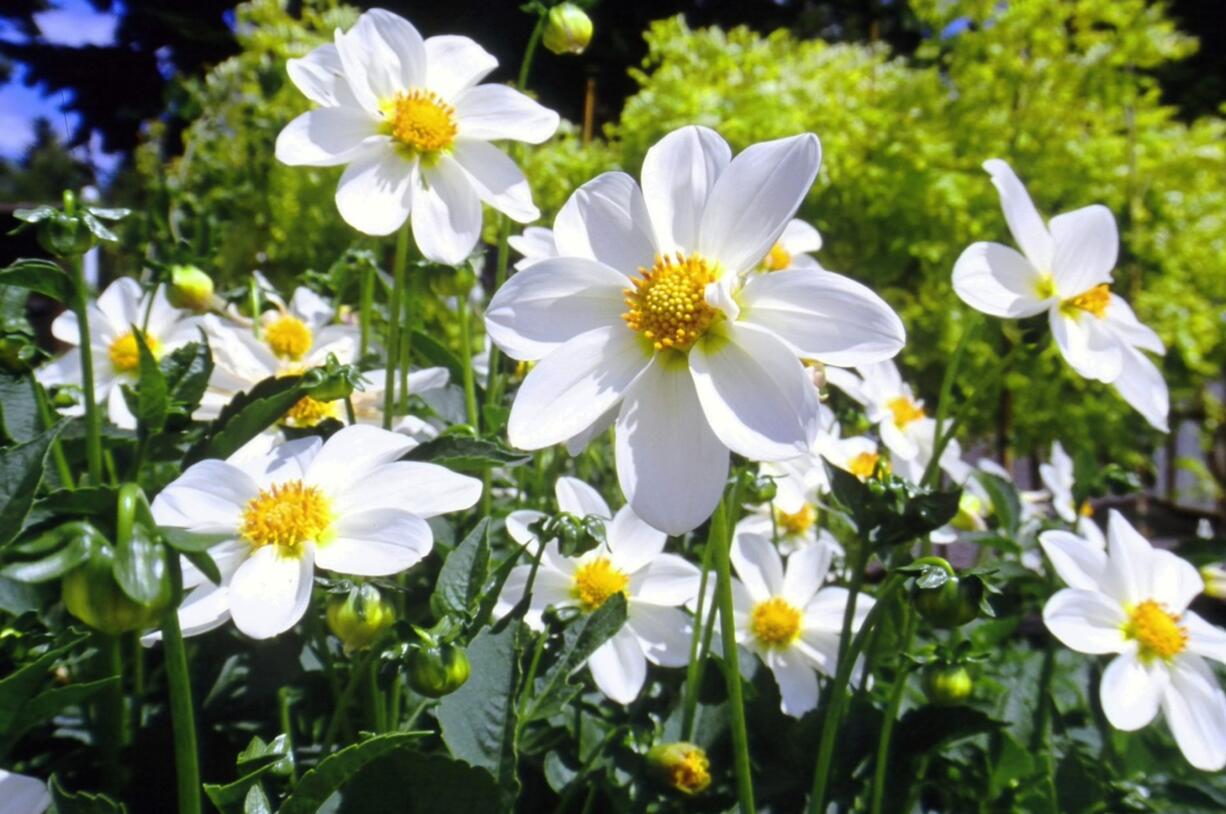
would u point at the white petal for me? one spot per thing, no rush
(117, 406)
(535, 243)
(797, 682)
(552, 302)
(424, 489)
(321, 77)
(1078, 563)
(799, 236)
(1204, 639)
(618, 667)
(497, 180)
(1130, 560)
(1173, 581)
(758, 565)
(574, 385)
(120, 306)
(634, 543)
(668, 580)
(1124, 322)
(670, 465)
(606, 219)
(352, 454)
(755, 393)
(1085, 244)
(227, 555)
(805, 573)
(269, 592)
(328, 136)
(823, 316)
(755, 197)
(518, 523)
(1093, 352)
(454, 64)
(375, 192)
(208, 498)
(1023, 219)
(663, 633)
(1086, 621)
(679, 172)
(824, 613)
(577, 443)
(1195, 709)
(1140, 383)
(578, 498)
(375, 543)
(549, 588)
(998, 281)
(205, 608)
(493, 112)
(382, 55)
(1131, 691)
(446, 213)
(22, 794)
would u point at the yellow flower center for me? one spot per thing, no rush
(668, 303)
(309, 412)
(422, 121)
(797, 522)
(778, 259)
(1157, 631)
(863, 465)
(596, 581)
(691, 772)
(775, 623)
(287, 515)
(1045, 288)
(288, 337)
(125, 353)
(1085, 509)
(905, 411)
(1095, 301)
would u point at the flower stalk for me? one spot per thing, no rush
(393, 324)
(93, 421)
(182, 712)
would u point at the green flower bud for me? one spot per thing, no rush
(65, 235)
(568, 30)
(682, 766)
(91, 594)
(359, 617)
(190, 288)
(1214, 576)
(953, 602)
(947, 684)
(437, 670)
(971, 512)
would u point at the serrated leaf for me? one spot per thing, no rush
(187, 370)
(43, 276)
(463, 573)
(152, 400)
(65, 802)
(46, 705)
(246, 416)
(419, 784)
(580, 640)
(466, 453)
(319, 784)
(21, 471)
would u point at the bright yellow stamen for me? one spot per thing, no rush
(288, 337)
(668, 303)
(1095, 301)
(778, 259)
(775, 623)
(1085, 509)
(797, 522)
(309, 412)
(863, 465)
(596, 581)
(1157, 631)
(287, 515)
(125, 353)
(905, 411)
(691, 772)
(423, 122)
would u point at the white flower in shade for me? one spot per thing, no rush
(890, 404)
(535, 244)
(1057, 476)
(346, 505)
(787, 618)
(1132, 600)
(631, 562)
(414, 128)
(116, 356)
(1064, 269)
(791, 250)
(21, 794)
(650, 318)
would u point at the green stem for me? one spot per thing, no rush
(891, 716)
(253, 300)
(393, 325)
(463, 311)
(57, 449)
(947, 387)
(721, 537)
(378, 708)
(366, 310)
(182, 713)
(93, 421)
(287, 727)
(406, 339)
(693, 671)
(342, 703)
(530, 51)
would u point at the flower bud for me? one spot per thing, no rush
(437, 670)
(568, 30)
(947, 684)
(91, 594)
(970, 514)
(1214, 576)
(682, 766)
(190, 288)
(357, 618)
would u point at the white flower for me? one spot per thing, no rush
(791, 250)
(115, 353)
(890, 404)
(631, 562)
(535, 244)
(347, 505)
(1065, 269)
(1057, 476)
(650, 319)
(1133, 600)
(21, 794)
(409, 119)
(788, 618)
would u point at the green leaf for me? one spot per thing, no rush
(18, 408)
(21, 472)
(43, 276)
(434, 353)
(72, 543)
(478, 720)
(90, 501)
(190, 542)
(466, 453)
(140, 566)
(17, 597)
(187, 370)
(246, 416)
(335, 771)
(931, 727)
(1005, 503)
(152, 393)
(46, 705)
(408, 782)
(205, 563)
(579, 641)
(17, 688)
(64, 802)
(463, 574)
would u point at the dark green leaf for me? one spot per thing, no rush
(17, 597)
(419, 784)
(466, 453)
(17, 688)
(434, 353)
(90, 501)
(152, 399)
(140, 566)
(205, 563)
(929, 727)
(18, 407)
(21, 472)
(463, 574)
(332, 773)
(46, 705)
(64, 802)
(187, 370)
(246, 416)
(189, 542)
(72, 543)
(579, 641)
(43, 276)
(1005, 503)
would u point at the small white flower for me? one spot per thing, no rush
(1057, 476)
(787, 618)
(631, 562)
(651, 318)
(21, 794)
(791, 250)
(889, 403)
(115, 353)
(1133, 600)
(536, 243)
(1065, 269)
(347, 505)
(409, 119)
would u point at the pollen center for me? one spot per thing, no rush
(863, 465)
(905, 411)
(288, 337)
(691, 773)
(125, 353)
(668, 302)
(423, 122)
(309, 412)
(775, 623)
(797, 522)
(1094, 301)
(596, 581)
(288, 515)
(1157, 631)
(778, 259)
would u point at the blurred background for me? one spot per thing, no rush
(172, 108)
